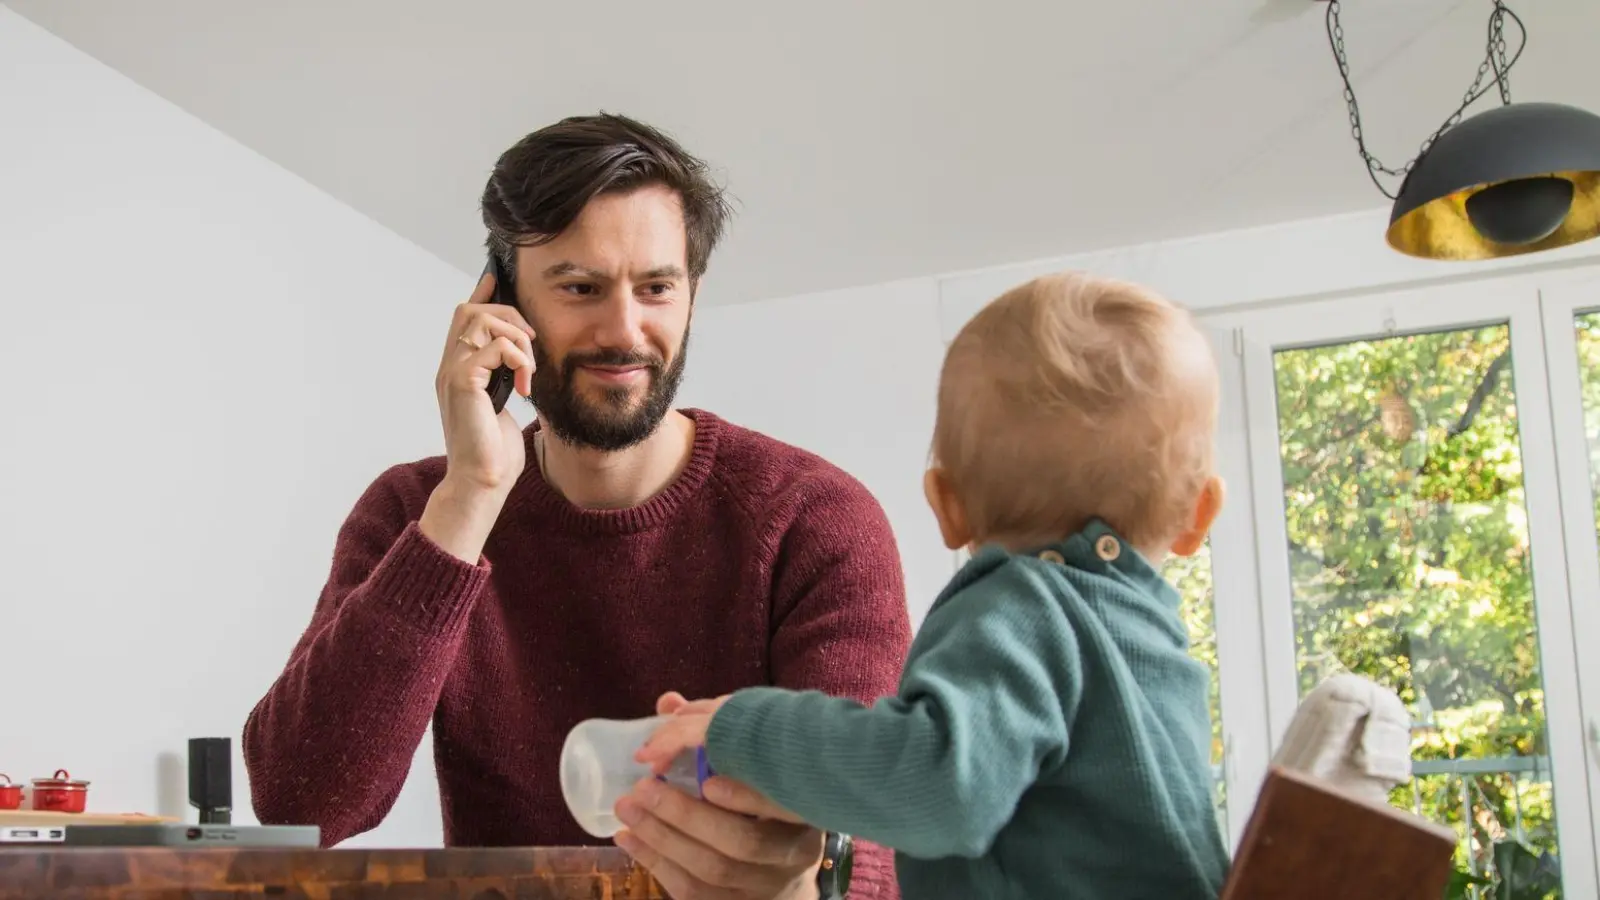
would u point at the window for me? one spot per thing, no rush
(1409, 560)
(1409, 524)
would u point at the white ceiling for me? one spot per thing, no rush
(864, 141)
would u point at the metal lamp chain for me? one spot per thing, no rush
(1497, 44)
(1494, 60)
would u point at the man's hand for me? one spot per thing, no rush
(734, 845)
(483, 451)
(701, 851)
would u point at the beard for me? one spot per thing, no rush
(615, 420)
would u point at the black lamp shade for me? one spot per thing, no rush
(1516, 179)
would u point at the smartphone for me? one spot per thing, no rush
(505, 292)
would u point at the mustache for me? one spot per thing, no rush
(611, 357)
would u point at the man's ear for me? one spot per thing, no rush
(1205, 512)
(946, 506)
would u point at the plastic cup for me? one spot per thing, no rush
(597, 769)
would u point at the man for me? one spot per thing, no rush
(613, 554)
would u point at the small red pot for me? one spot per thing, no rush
(10, 794)
(62, 793)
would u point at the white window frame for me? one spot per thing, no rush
(1236, 603)
(1561, 301)
(1514, 300)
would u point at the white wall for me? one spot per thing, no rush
(849, 374)
(166, 521)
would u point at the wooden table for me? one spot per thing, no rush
(1303, 841)
(32, 873)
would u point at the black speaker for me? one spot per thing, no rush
(211, 779)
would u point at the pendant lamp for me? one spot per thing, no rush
(1513, 180)
(1521, 178)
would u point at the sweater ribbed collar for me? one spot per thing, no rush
(533, 494)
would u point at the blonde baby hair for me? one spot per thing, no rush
(1071, 397)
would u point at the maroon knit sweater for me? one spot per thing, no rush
(760, 565)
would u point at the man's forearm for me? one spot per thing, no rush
(332, 741)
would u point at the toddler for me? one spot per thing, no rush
(1050, 737)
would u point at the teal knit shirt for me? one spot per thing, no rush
(1050, 738)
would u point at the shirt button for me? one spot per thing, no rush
(1108, 548)
(1050, 556)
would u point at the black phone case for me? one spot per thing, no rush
(501, 379)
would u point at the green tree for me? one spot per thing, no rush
(1410, 559)
(1191, 575)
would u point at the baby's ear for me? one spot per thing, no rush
(953, 526)
(1206, 507)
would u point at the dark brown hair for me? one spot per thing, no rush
(540, 185)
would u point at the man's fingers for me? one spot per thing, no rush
(671, 876)
(730, 834)
(508, 313)
(480, 332)
(472, 327)
(738, 797)
(669, 702)
(698, 866)
(475, 316)
(471, 315)
(498, 352)
(503, 352)
(488, 328)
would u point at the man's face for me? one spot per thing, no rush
(609, 300)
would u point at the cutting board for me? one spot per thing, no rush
(26, 818)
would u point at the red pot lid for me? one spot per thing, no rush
(61, 781)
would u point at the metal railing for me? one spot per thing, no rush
(1462, 785)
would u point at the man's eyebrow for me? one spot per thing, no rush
(662, 273)
(567, 269)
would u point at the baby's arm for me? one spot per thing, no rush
(985, 704)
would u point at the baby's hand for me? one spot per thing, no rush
(686, 730)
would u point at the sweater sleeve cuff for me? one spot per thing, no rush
(421, 584)
(734, 740)
(740, 744)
